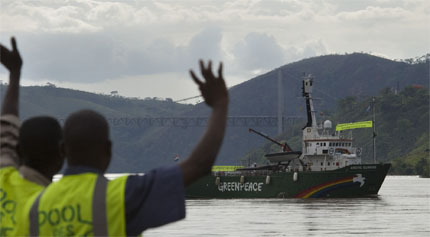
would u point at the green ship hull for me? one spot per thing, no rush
(351, 181)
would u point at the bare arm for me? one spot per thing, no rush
(13, 62)
(214, 91)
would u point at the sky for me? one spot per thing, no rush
(145, 48)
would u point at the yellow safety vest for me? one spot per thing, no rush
(14, 193)
(85, 204)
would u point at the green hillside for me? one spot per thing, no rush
(122, 114)
(402, 128)
(138, 148)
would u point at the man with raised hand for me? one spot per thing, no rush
(83, 202)
(33, 148)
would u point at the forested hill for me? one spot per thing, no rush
(335, 77)
(402, 128)
(123, 115)
(139, 148)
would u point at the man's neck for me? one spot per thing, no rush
(79, 169)
(35, 176)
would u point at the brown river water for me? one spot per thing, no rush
(401, 209)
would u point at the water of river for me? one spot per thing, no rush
(402, 209)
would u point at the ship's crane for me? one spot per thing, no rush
(285, 146)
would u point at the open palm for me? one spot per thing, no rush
(11, 59)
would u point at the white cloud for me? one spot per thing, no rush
(313, 48)
(258, 51)
(97, 56)
(63, 19)
(375, 15)
(92, 41)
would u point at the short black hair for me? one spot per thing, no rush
(86, 134)
(39, 144)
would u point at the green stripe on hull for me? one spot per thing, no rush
(350, 181)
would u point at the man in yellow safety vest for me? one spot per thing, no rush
(29, 155)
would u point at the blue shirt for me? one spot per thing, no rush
(154, 199)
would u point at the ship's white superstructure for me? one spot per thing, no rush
(322, 147)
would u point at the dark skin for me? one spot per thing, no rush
(97, 158)
(11, 59)
(215, 93)
(86, 140)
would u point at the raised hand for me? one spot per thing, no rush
(213, 89)
(13, 62)
(203, 156)
(11, 59)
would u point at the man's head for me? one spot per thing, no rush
(39, 145)
(86, 140)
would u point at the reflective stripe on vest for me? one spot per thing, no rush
(34, 216)
(99, 207)
(99, 221)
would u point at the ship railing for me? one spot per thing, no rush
(345, 134)
(335, 136)
(243, 173)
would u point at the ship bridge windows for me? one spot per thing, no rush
(338, 144)
(328, 144)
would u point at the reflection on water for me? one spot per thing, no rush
(401, 209)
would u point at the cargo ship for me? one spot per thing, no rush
(328, 166)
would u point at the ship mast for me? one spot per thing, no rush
(307, 93)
